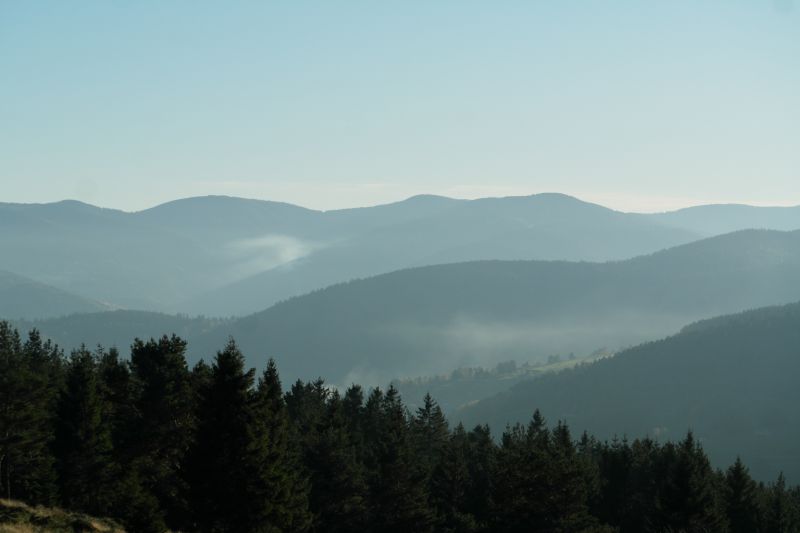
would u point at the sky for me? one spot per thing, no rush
(637, 105)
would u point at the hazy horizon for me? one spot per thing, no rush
(615, 207)
(639, 107)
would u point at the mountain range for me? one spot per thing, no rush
(223, 256)
(429, 320)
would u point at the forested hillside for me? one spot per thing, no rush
(218, 448)
(431, 320)
(733, 380)
(434, 319)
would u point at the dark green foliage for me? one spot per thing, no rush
(741, 504)
(687, 499)
(539, 483)
(157, 446)
(280, 468)
(30, 377)
(162, 423)
(397, 482)
(780, 508)
(338, 496)
(451, 484)
(239, 469)
(83, 440)
(429, 434)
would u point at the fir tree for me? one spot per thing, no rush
(741, 503)
(450, 485)
(540, 486)
(338, 496)
(29, 381)
(239, 469)
(430, 434)
(780, 513)
(83, 444)
(160, 432)
(398, 491)
(687, 499)
(280, 477)
(482, 466)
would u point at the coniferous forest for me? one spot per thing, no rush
(219, 448)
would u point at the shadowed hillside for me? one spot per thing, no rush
(21, 297)
(432, 320)
(733, 380)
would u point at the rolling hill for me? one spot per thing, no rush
(726, 218)
(732, 380)
(222, 256)
(543, 227)
(21, 297)
(431, 320)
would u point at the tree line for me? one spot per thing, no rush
(217, 448)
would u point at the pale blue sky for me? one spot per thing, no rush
(640, 105)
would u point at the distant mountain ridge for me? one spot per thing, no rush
(231, 256)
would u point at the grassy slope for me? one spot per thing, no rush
(17, 517)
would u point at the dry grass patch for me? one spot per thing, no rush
(18, 517)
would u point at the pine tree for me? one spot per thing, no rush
(521, 485)
(687, 498)
(83, 444)
(398, 489)
(741, 502)
(338, 496)
(450, 485)
(612, 503)
(220, 487)
(133, 504)
(162, 428)
(430, 435)
(540, 485)
(239, 469)
(29, 381)
(780, 515)
(12, 401)
(354, 413)
(280, 474)
(115, 386)
(482, 466)
(43, 365)
(569, 478)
